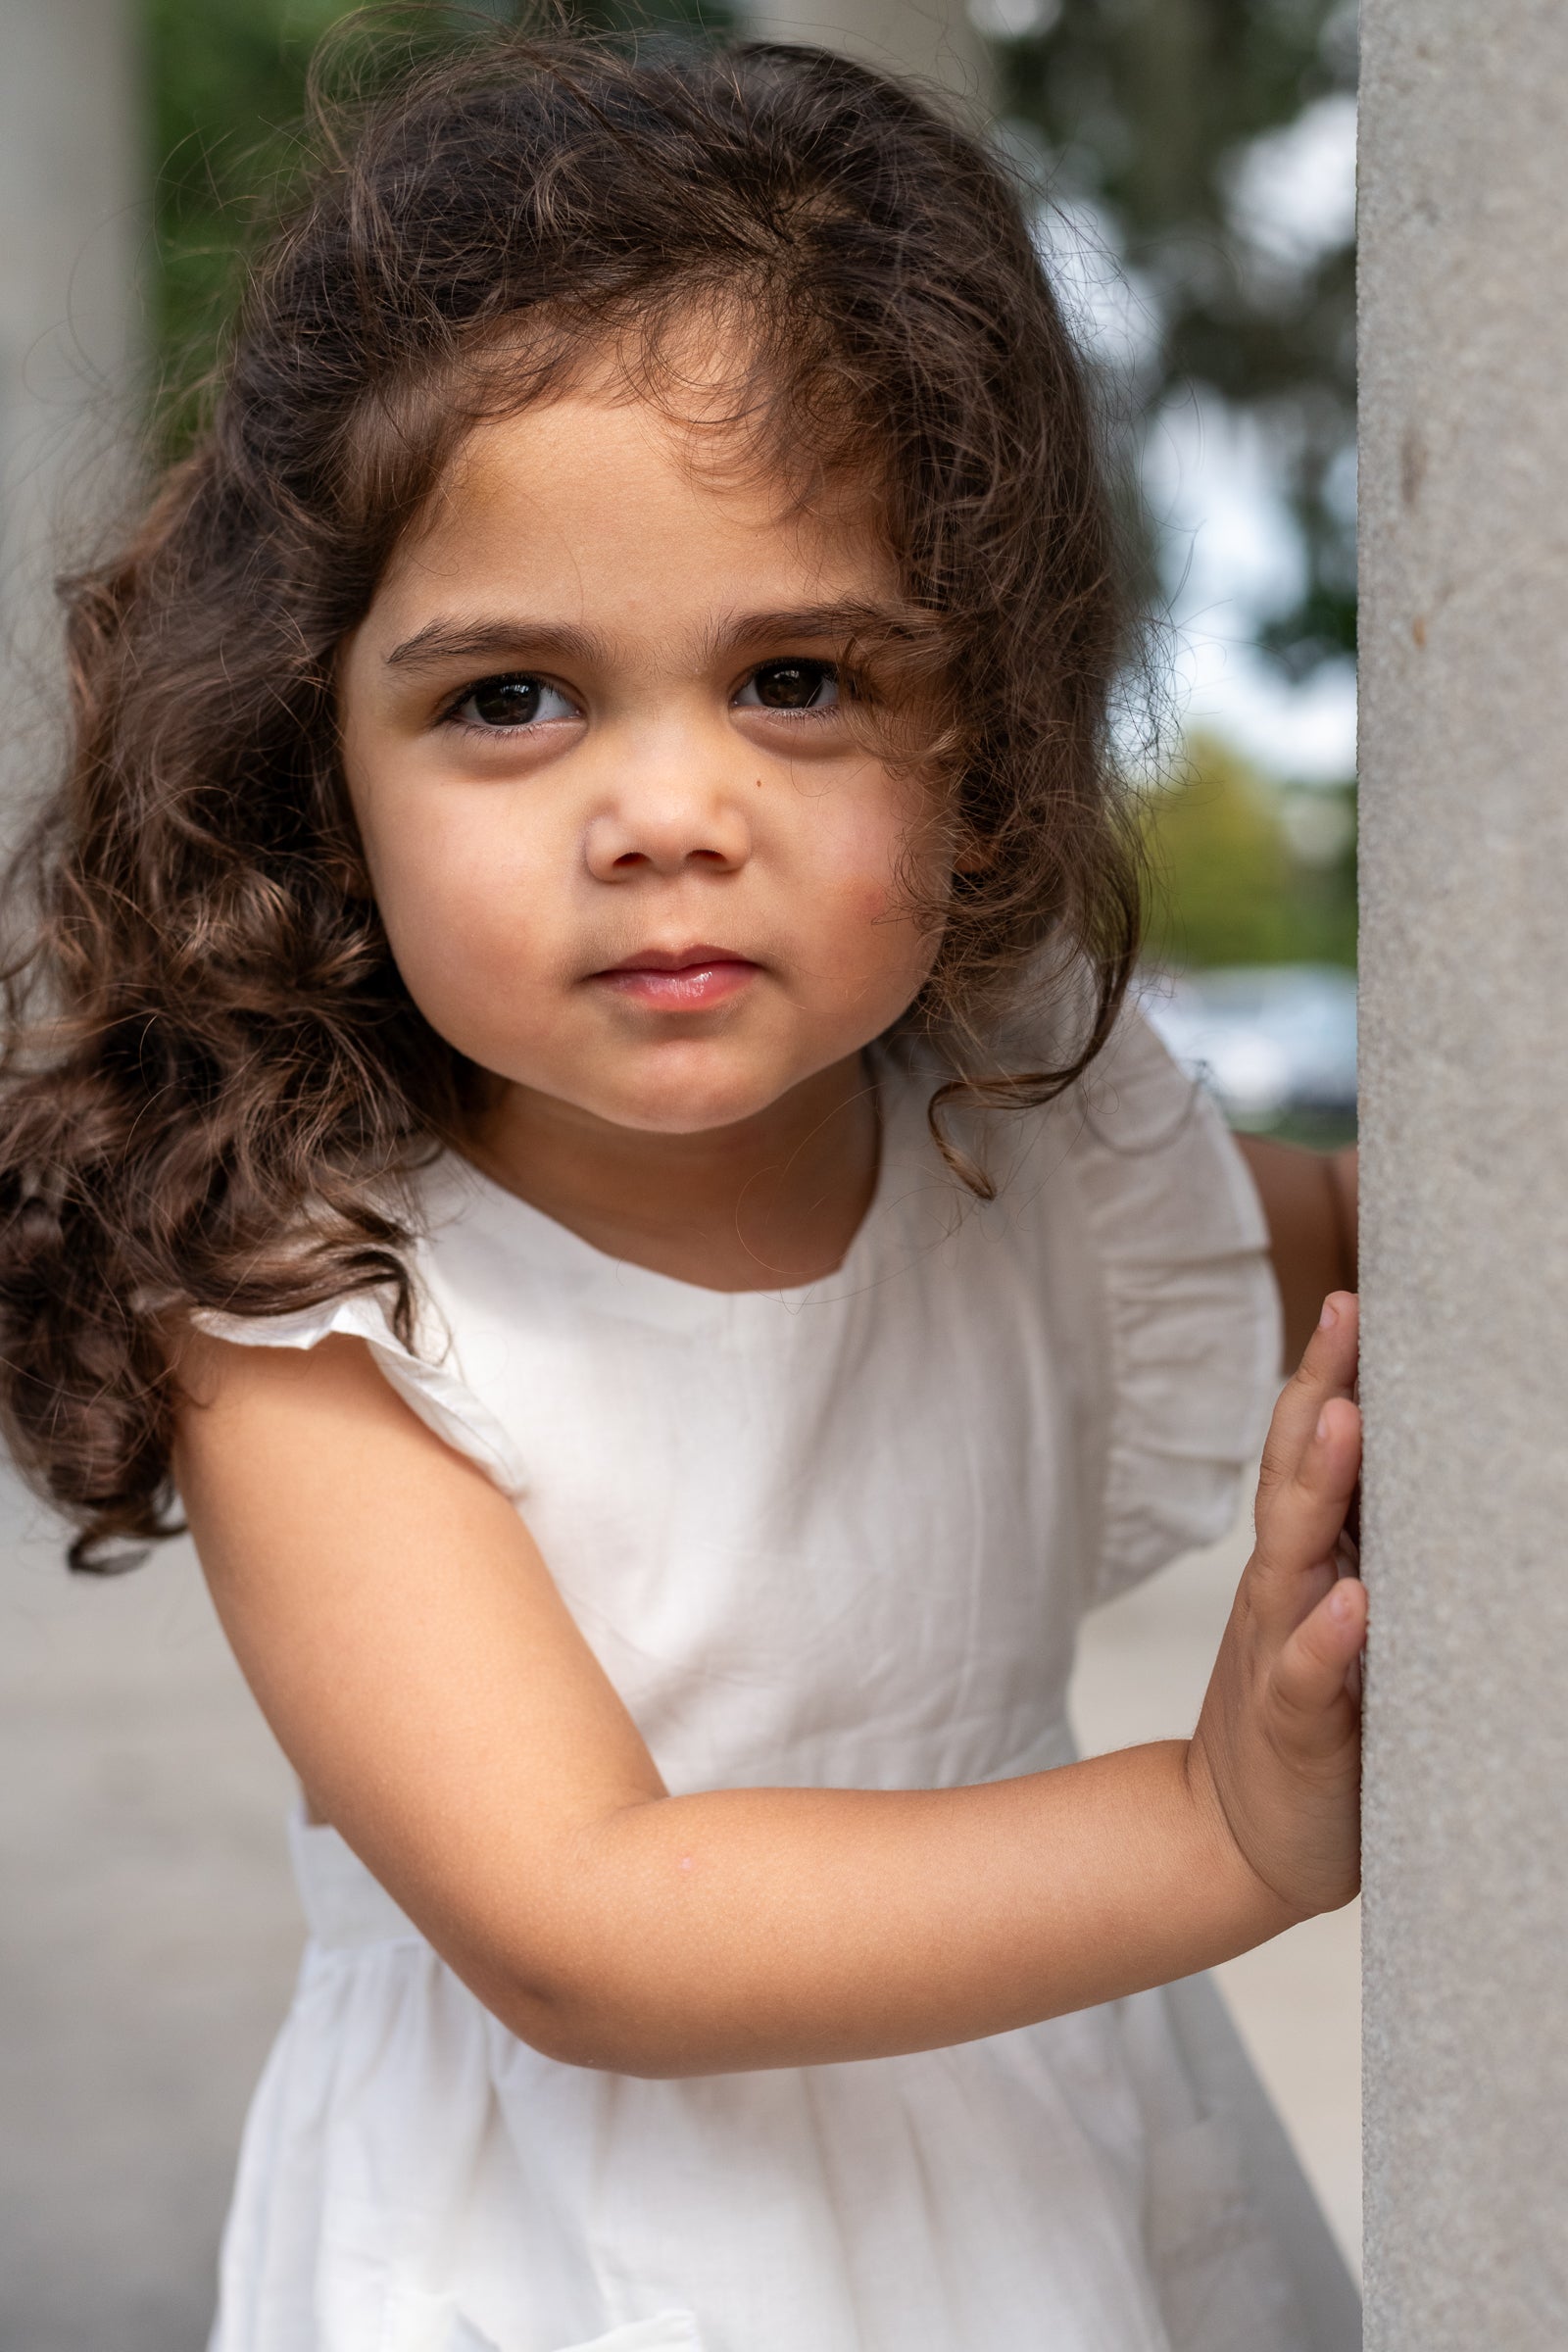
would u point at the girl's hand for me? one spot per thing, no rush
(1278, 1751)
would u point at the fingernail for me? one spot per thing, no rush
(1322, 1426)
(1330, 1315)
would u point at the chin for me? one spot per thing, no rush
(689, 1100)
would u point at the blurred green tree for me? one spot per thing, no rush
(227, 85)
(1150, 120)
(228, 79)
(1243, 873)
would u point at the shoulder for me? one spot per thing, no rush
(416, 1359)
(1153, 1206)
(1158, 1164)
(1152, 1162)
(1191, 1314)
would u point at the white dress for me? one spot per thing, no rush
(838, 1535)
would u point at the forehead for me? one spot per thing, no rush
(617, 509)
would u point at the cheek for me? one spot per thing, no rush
(871, 898)
(867, 953)
(464, 921)
(865, 881)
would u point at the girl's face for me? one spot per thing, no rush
(627, 850)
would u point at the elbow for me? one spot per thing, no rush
(585, 2028)
(579, 2009)
(597, 1980)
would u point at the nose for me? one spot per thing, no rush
(667, 817)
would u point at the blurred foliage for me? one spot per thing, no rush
(1246, 874)
(1145, 114)
(227, 85)
(229, 89)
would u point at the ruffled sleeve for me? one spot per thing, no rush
(1190, 1315)
(429, 1383)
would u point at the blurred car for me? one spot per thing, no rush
(1271, 1042)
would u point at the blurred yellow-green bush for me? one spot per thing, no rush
(1246, 871)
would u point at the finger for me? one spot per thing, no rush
(1313, 1673)
(1327, 1369)
(1304, 1526)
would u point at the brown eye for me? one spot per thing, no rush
(796, 685)
(514, 701)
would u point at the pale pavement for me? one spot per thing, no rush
(150, 1932)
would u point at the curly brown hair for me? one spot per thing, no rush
(215, 1081)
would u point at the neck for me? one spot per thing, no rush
(767, 1204)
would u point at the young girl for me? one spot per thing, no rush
(583, 1114)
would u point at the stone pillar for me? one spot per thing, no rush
(1464, 970)
(70, 199)
(933, 40)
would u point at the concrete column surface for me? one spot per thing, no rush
(1465, 767)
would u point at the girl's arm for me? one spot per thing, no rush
(1309, 1198)
(405, 1639)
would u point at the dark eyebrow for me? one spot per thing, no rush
(854, 617)
(445, 640)
(493, 641)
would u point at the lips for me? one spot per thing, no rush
(673, 960)
(679, 979)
